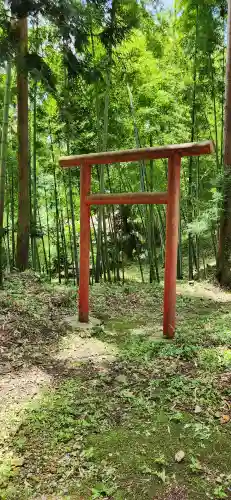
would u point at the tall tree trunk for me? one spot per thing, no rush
(224, 253)
(222, 93)
(190, 168)
(101, 216)
(143, 184)
(34, 183)
(3, 153)
(23, 156)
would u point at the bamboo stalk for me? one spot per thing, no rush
(48, 233)
(190, 168)
(152, 221)
(8, 253)
(101, 216)
(12, 219)
(3, 156)
(143, 184)
(69, 228)
(43, 243)
(34, 180)
(57, 226)
(23, 231)
(64, 244)
(214, 114)
(223, 94)
(75, 249)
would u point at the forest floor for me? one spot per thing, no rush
(115, 411)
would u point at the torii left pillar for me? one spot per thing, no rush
(84, 277)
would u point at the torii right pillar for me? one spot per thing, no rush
(172, 228)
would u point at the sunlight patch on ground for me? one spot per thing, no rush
(74, 348)
(16, 390)
(204, 291)
(154, 332)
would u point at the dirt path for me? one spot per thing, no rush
(18, 388)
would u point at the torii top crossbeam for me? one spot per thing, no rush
(129, 155)
(171, 198)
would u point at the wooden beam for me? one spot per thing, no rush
(188, 149)
(127, 199)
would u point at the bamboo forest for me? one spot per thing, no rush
(149, 77)
(106, 406)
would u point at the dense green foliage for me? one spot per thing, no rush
(110, 76)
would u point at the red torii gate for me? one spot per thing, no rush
(171, 198)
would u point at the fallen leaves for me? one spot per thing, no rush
(152, 472)
(224, 419)
(179, 456)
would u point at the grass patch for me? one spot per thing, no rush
(114, 432)
(89, 438)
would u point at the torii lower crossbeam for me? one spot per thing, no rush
(171, 198)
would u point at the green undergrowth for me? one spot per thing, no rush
(117, 431)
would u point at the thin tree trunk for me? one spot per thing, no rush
(92, 270)
(43, 243)
(179, 254)
(214, 113)
(101, 218)
(57, 218)
(70, 234)
(75, 248)
(114, 234)
(48, 233)
(224, 254)
(3, 154)
(153, 228)
(143, 184)
(64, 245)
(57, 225)
(227, 131)
(34, 183)
(7, 226)
(73, 236)
(23, 156)
(190, 169)
(12, 217)
(222, 96)
(198, 213)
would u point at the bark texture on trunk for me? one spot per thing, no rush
(23, 157)
(227, 131)
(224, 252)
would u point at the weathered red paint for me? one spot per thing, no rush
(85, 184)
(171, 198)
(128, 155)
(127, 198)
(172, 225)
